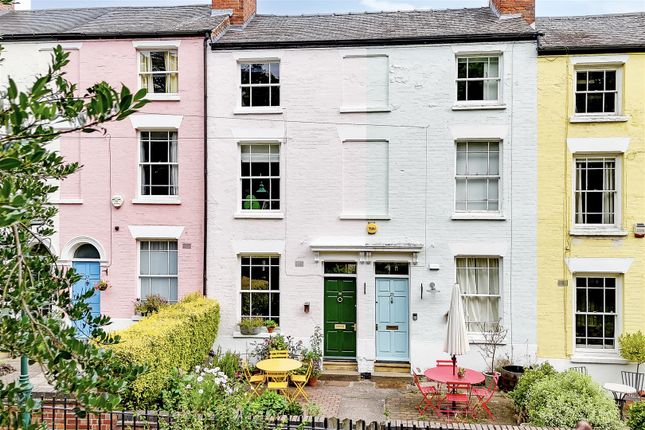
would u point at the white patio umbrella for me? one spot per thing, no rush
(456, 342)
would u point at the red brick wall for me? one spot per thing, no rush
(510, 7)
(242, 9)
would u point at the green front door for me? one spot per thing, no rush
(340, 318)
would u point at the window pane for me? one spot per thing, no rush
(461, 90)
(245, 73)
(477, 190)
(260, 96)
(159, 83)
(260, 304)
(610, 102)
(172, 263)
(260, 277)
(476, 67)
(493, 189)
(493, 159)
(275, 307)
(581, 300)
(461, 191)
(158, 61)
(462, 68)
(259, 73)
(461, 159)
(475, 90)
(581, 103)
(610, 300)
(159, 152)
(275, 73)
(490, 90)
(595, 298)
(246, 304)
(610, 80)
(246, 96)
(159, 263)
(477, 158)
(594, 103)
(275, 96)
(581, 81)
(596, 81)
(275, 277)
(492, 68)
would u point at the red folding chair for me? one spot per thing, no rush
(444, 363)
(428, 392)
(457, 399)
(484, 395)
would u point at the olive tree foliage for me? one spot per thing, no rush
(632, 347)
(36, 304)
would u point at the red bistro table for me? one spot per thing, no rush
(444, 375)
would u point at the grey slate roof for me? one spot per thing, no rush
(588, 33)
(109, 21)
(475, 23)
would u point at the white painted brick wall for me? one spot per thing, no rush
(422, 92)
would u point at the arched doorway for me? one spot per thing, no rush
(86, 262)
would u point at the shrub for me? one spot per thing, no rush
(269, 403)
(150, 305)
(526, 381)
(632, 347)
(636, 417)
(228, 362)
(178, 336)
(561, 400)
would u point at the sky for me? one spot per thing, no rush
(294, 7)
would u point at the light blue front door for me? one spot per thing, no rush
(392, 319)
(90, 273)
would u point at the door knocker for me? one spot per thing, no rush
(391, 298)
(339, 299)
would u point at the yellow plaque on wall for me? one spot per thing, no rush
(372, 228)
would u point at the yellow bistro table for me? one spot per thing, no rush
(278, 368)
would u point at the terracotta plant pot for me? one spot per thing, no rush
(270, 329)
(313, 381)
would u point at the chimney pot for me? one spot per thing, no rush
(526, 8)
(241, 10)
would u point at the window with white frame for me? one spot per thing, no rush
(260, 287)
(158, 71)
(158, 274)
(597, 91)
(479, 280)
(596, 312)
(477, 177)
(158, 163)
(260, 175)
(478, 78)
(260, 84)
(596, 196)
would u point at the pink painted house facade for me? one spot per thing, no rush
(134, 214)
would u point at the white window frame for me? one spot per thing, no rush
(152, 198)
(598, 228)
(139, 275)
(260, 213)
(159, 48)
(619, 90)
(240, 291)
(618, 315)
(499, 176)
(251, 108)
(476, 335)
(500, 79)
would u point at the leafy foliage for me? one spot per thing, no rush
(632, 347)
(562, 399)
(35, 300)
(526, 382)
(228, 362)
(179, 336)
(149, 305)
(636, 417)
(261, 349)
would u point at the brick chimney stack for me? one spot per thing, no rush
(6, 7)
(241, 10)
(526, 8)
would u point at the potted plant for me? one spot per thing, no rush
(270, 325)
(632, 348)
(251, 326)
(315, 355)
(461, 372)
(493, 335)
(149, 305)
(102, 285)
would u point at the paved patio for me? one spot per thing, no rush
(367, 401)
(36, 376)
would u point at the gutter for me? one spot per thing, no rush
(500, 37)
(564, 50)
(205, 78)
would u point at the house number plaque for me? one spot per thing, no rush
(340, 326)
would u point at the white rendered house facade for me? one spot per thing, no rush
(429, 146)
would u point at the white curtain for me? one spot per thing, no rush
(491, 70)
(609, 176)
(174, 168)
(172, 79)
(580, 206)
(479, 281)
(145, 66)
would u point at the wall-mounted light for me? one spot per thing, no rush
(306, 307)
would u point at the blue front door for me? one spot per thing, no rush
(392, 319)
(90, 273)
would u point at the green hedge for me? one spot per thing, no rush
(178, 337)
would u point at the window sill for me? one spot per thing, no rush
(156, 201)
(154, 97)
(598, 358)
(478, 216)
(68, 202)
(137, 317)
(262, 335)
(479, 107)
(598, 232)
(258, 111)
(365, 217)
(365, 109)
(599, 118)
(259, 215)
(478, 339)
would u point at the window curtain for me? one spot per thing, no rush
(609, 176)
(172, 78)
(479, 282)
(580, 207)
(491, 70)
(145, 66)
(174, 169)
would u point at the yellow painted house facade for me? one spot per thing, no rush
(591, 192)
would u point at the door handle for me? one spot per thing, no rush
(391, 298)
(354, 327)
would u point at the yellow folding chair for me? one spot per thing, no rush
(278, 353)
(255, 381)
(300, 381)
